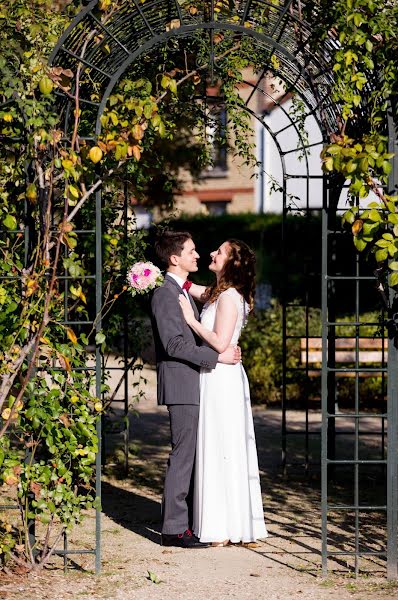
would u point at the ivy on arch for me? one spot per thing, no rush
(339, 57)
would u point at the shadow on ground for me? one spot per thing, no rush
(292, 499)
(131, 510)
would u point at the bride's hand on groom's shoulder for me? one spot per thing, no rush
(186, 308)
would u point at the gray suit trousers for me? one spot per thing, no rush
(183, 426)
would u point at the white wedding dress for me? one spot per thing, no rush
(227, 496)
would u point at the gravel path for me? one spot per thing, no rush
(285, 566)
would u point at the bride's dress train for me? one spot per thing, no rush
(227, 498)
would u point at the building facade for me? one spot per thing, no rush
(277, 125)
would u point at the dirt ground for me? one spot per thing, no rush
(287, 565)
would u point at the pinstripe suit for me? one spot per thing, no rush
(178, 360)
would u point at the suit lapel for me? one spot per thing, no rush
(181, 291)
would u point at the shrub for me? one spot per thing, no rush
(262, 352)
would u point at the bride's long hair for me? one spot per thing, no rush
(238, 272)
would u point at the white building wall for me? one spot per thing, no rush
(283, 151)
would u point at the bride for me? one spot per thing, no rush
(227, 495)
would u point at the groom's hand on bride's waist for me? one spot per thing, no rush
(231, 356)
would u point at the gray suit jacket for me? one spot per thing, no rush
(179, 355)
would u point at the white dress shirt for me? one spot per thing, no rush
(180, 282)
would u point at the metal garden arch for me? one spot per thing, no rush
(135, 28)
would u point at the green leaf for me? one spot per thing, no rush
(74, 270)
(394, 279)
(97, 503)
(328, 164)
(138, 110)
(334, 149)
(351, 166)
(370, 228)
(173, 86)
(153, 577)
(387, 166)
(374, 215)
(100, 338)
(165, 82)
(393, 265)
(393, 218)
(114, 118)
(348, 217)
(148, 110)
(381, 255)
(45, 518)
(359, 243)
(162, 129)
(358, 19)
(155, 121)
(10, 222)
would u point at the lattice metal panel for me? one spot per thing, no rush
(106, 49)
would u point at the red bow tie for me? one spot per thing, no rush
(187, 285)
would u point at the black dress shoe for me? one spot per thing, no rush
(182, 540)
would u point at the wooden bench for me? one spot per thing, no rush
(370, 351)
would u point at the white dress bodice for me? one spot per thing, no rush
(208, 315)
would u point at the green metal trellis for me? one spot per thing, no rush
(135, 29)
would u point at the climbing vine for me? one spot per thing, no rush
(366, 75)
(150, 130)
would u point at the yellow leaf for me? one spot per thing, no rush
(67, 164)
(31, 192)
(6, 413)
(95, 154)
(328, 164)
(357, 227)
(64, 362)
(75, 291)
(136, 152)
(138, 132)
(275, 62)
(71, 335)
(74, 191)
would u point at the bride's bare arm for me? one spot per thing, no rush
(224, 325)
(198, 292)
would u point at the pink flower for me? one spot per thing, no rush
(142, 277)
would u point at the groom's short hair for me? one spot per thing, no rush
(169, 243)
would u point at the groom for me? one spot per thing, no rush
(179, 357)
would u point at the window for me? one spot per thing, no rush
(216, 208)
(216, 134)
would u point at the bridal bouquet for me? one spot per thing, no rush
(143, 277)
